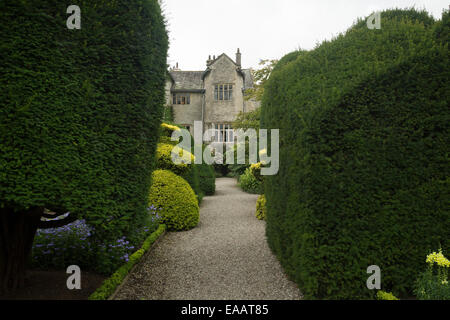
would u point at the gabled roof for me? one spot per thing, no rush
(187, 80)
(192, 81)
(223, 55)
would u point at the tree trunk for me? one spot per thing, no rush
(17, 231)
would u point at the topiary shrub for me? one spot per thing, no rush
(261, 207)
(168, 129)
(190, 172)
(179, 206)
(249, 183)
(164, 159)
(363, 176)
(79, 121)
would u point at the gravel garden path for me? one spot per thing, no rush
(226, 257)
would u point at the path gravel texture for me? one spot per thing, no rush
(226, 257)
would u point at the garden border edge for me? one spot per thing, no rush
(111, 285)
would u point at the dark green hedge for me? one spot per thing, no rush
(207, 179)
(193, 178)
(364, 150)
(81, 109)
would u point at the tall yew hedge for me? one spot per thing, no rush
(364, 145)
(79, 117)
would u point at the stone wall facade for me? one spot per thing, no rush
(200, 86)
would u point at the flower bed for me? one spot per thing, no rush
(110, 285)
(74, 244)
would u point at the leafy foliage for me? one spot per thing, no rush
(381, 295)
(207, 179)
(110, 285)
(261, 207)
(249, 183)
(81, 109)
(179, 205)
(72, 244)
(248, 120)
(192, 173)
(260, 77)
(364, 136)
(433, 283)
(164, 159)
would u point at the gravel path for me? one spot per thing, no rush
(225, 258)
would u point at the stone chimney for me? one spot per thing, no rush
(208, 62)
(238, 58)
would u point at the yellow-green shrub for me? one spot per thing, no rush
(249, 183)
(164, 159)
(168, 129)
(177, 200)
(261, 207)
(433, 283)
(381, 295)
(256, 170)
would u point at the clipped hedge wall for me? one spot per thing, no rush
(80, 112)
(179, 205)
(364, 150)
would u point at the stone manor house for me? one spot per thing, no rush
(214, 96)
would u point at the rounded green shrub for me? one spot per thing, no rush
(364, 136)
(261, 207)
(249, 183)
(171, 193)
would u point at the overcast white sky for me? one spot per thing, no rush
(264, 29)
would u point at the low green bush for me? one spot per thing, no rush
(381, 295)
(249, 183)
(177, 200)
(74, 243)
(261, 207)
